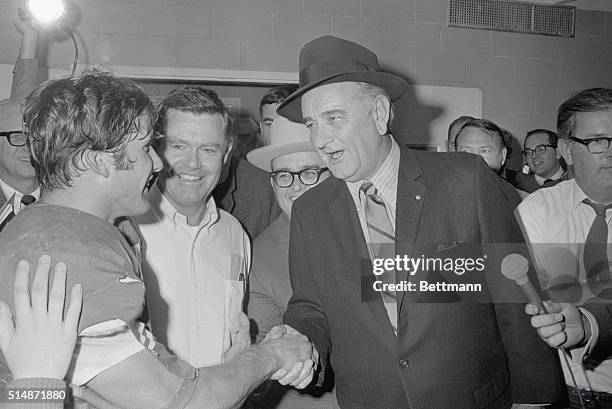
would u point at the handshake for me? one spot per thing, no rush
(295, 358)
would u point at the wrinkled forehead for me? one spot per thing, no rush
(11, 118)
(474, 136)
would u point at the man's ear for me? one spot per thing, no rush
(228, 152)
(98, 162)
(382, 114)
(565, 149)
(504, 153)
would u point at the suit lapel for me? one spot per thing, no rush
(356, 264)
(2, 198)
(409, 205)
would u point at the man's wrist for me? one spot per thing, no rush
(268, 357)
(586, 326)
(586, 333)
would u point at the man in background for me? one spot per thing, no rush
(18, 186)
(196, 256)
(453, 130)
(484, 138)
(294, 168)
(543, 159)
(267, 108)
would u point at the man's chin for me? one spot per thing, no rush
(141, 208)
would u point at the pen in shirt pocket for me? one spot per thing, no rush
(243, 280)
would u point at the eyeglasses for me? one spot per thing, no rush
(594, 145)
(285, 178)
(16, 138)
(540, 150)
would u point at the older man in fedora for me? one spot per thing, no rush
(294, 168)
(390, 348)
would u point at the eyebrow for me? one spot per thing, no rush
(312, 166)
(599, 135)
(175, 139)
(326, 114)
(334, 111)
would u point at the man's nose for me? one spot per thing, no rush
(320, 137)
(194, 160)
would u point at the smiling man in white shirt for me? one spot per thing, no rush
(196, 256)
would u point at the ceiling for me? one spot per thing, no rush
(603, 5)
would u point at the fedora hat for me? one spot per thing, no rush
(285, 137)
(329, 59)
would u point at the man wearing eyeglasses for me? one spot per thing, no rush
(543, 158)
(18, 186)
(294, 168)
(567, 226)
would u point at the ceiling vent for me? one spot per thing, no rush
(518, 17)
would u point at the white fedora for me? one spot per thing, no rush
(285, 137)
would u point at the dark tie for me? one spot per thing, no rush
(595, 255)
(25, 200)
(548, 181)
(382, 241)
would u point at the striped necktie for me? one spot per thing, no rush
(595, 256)
(381, 243)
(25, 201)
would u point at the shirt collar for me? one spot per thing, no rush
(558, 174)
(10, 191)
(576, 196)
(167, 211)
(385, 177)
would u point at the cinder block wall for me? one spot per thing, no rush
(523, 77)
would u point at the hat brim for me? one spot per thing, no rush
(394, 85)
(261, 157)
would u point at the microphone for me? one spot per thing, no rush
(515, 267)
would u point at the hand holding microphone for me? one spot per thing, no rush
(515, 267)
(560, 325)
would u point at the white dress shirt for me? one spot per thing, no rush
(8, 192)
(556, 223)
(195, 278)
(540, 180)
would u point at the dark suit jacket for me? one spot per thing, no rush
(447, 355)
(528, 183)
(603, 348)
(245, 191)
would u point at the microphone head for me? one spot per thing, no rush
(515, 267)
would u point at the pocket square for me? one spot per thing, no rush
(447, 246)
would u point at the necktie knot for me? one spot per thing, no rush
(27, 200)
(599, 208)
(371, 192)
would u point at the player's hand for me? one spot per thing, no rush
(40, 341)
(562, 326)
(301, 372)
